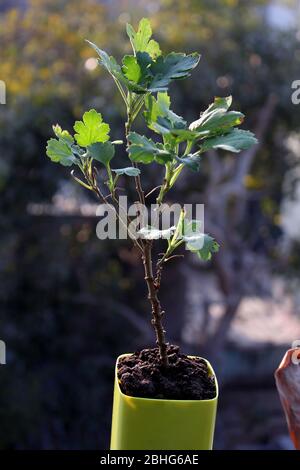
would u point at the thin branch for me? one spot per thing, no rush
(121, 90)
(152, 191)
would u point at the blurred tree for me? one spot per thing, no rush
(59, 305)
(242, 55)
(62, 293)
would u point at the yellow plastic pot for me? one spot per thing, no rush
(154, 424)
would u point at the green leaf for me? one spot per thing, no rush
(141, 40)
(129, 171)
(60, 152)
(109, 62)
(220, 105)
(235, 141)
(102, 152)
(216, 119)
(191, 161)
(131, 68)
(149, 72)
(156, 107)
(111, 65)
(136, 72)
(191, 227)
(172, 67)
(91, 129)
(163, 155)
(202, 244)
(210, 246)
(64, 136)
(197, 241)
(183, 135)
(218, 122)
(144, 150)
(158, 115)
(223, 103)
(141, 149)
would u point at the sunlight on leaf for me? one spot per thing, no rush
(141, 40)
(91, 129)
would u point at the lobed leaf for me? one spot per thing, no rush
(216, 119)
(219, 105)
(131, 68)
(102, 152)
(141, 40)
(234, 141)
(91, 129)
(158, 115)
(196, 241)
(210, 246)
(62, 135)
(191, 161)
(172, 67)
(131, 71)
(147, 71)
(218, 122)
(144, 150)
(60, 152)
(202, 244)
(109, 62)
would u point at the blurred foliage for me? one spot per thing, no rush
(60, 291)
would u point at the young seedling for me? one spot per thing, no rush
(143, 79)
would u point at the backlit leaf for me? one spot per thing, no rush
(91, 129)
(65, 136)
(141, 40)
(131, 68)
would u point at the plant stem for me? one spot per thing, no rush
(121, 90)
(137, 179)
(93, 186)
(165, 186)
(157, 312)
(172, 245)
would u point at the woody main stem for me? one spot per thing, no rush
(153, 288)
(157, 312)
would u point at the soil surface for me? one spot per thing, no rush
(142, 375)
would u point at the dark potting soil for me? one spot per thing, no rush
(142, 375)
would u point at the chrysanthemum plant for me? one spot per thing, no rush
(143, 80)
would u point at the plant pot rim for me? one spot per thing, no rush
(165, 400)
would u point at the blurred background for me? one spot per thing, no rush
(70, 304)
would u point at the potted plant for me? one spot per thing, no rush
(163, 399)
